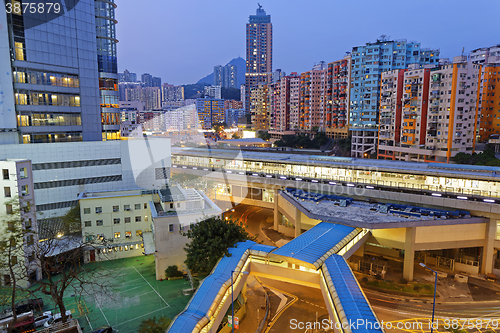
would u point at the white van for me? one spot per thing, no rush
(57, 318)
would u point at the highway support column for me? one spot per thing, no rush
(488, 248)
(298, 226)
(276, 210)
(409, 259)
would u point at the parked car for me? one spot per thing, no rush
(45, 317)
(31, 304)
(103, 329)
(57, 318)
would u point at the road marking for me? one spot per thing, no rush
(283, 301)
(152, 287)
(278, 314)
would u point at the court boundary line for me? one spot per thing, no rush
(124, 322)
(168, 305)
(99, 307)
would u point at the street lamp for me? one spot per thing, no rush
(435, 289)
(232, 298)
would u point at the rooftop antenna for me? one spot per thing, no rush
(258, 4)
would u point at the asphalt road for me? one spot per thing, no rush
(292, 304)
(253, 218)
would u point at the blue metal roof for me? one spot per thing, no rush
(203, 298)
(315, 242)
(351, 297)
(263, 248)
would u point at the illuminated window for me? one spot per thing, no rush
(128, 234)
(117, 235)
(19, 51)
(138, 232)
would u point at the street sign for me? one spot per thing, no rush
(236, 322)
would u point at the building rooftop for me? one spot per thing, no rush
(342, 283)
(316, 244)
(362, 214)
(432, 169)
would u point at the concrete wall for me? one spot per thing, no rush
(449, 236)
(296, 276)
(389, 237)
(469, 269)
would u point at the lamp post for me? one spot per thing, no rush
(435, 289)
(232, 298)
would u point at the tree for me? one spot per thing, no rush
(16, 235)
(61, 261)
(264, 135)
(153, 325)
(210, 240)
(235, 136)
(72, 222)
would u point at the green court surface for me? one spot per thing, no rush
(133, 295)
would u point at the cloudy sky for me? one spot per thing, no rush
(182, 40)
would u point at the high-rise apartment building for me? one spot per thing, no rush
(147, 80)
(259, 52)
(489, 101)
(151, 96)
(50, 84)
(108, 68)
(225, 76)
(210, 112)
(260, 107)
(368, 63)
(127, 76)
(284, 104)
(485, 55)
(429, 114)
(337, 98)
(312, 98)
(171, 93)
(156, 82)
(213, 91)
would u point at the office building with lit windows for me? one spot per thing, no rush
(259, 52)
(368, 63)
(50, 83)
(108, 68)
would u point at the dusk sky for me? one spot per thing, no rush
(181, 41)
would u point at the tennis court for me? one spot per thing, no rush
(134, 295)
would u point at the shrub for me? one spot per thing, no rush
(173, 271)
(403, 281)
(416, 287)
(378, 277)
(364, 279)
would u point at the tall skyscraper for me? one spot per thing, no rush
(368, 63)
(108, 68)
(225, 76)
(259, 52)
(50, 84)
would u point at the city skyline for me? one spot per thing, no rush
(180, 61)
